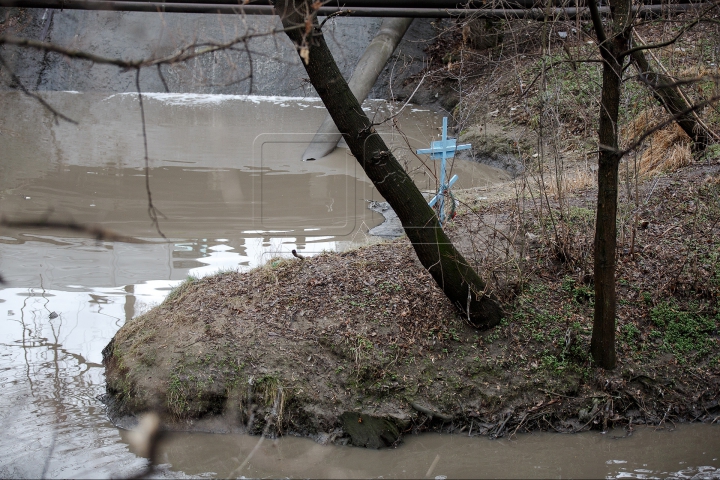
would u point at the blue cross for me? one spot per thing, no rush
(443, 149)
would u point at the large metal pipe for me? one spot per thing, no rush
(442, 4)
(363, 78)
(142, 6)
(250, 9)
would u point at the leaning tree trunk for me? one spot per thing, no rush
(460, 283)
(602, 344)
(669, 97)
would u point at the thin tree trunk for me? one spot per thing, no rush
(670, 98)
(460, 283)
(602, 344)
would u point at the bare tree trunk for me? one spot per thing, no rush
(460, 283)
(602, 345)
(670, 98)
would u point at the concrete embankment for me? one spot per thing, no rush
(273, 63)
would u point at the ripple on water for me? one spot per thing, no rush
(51, 418)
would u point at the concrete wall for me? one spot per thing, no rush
(276, 67)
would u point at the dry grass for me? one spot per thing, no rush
(666, 149)
(570, 181)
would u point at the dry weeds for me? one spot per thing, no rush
(571, 181)
(666, 150)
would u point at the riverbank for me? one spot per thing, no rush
(362, 347)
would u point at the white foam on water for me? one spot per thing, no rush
(216, 99)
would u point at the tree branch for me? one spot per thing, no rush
(554, 64)
(95, 232)
(182, 55)
(597, 22)
(652, 46)
(152, 211)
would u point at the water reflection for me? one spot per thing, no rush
(50, 376)
(225, 172)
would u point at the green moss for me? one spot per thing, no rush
(685, 331)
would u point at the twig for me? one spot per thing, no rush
(96, 232)
(432, 466)
(659, 126)
(501, 428)
(152, 211)
(339, 13)
(522, 420)
(651, 191)
(184, 54)
(410, 98)
(664, 417)
(552, 65)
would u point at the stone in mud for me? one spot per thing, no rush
(369, 431)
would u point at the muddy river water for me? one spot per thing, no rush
(226, 175)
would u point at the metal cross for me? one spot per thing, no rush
(443, 149)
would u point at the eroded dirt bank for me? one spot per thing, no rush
(362, 347)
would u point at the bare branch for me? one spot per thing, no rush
(79, 54)
(183, 54)
(340, 13)
(152, 211)
(95, 232)
(679, 83)
(674, 39)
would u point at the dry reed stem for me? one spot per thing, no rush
(668, 148)
(571, 181)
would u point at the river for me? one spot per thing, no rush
(225, 172)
